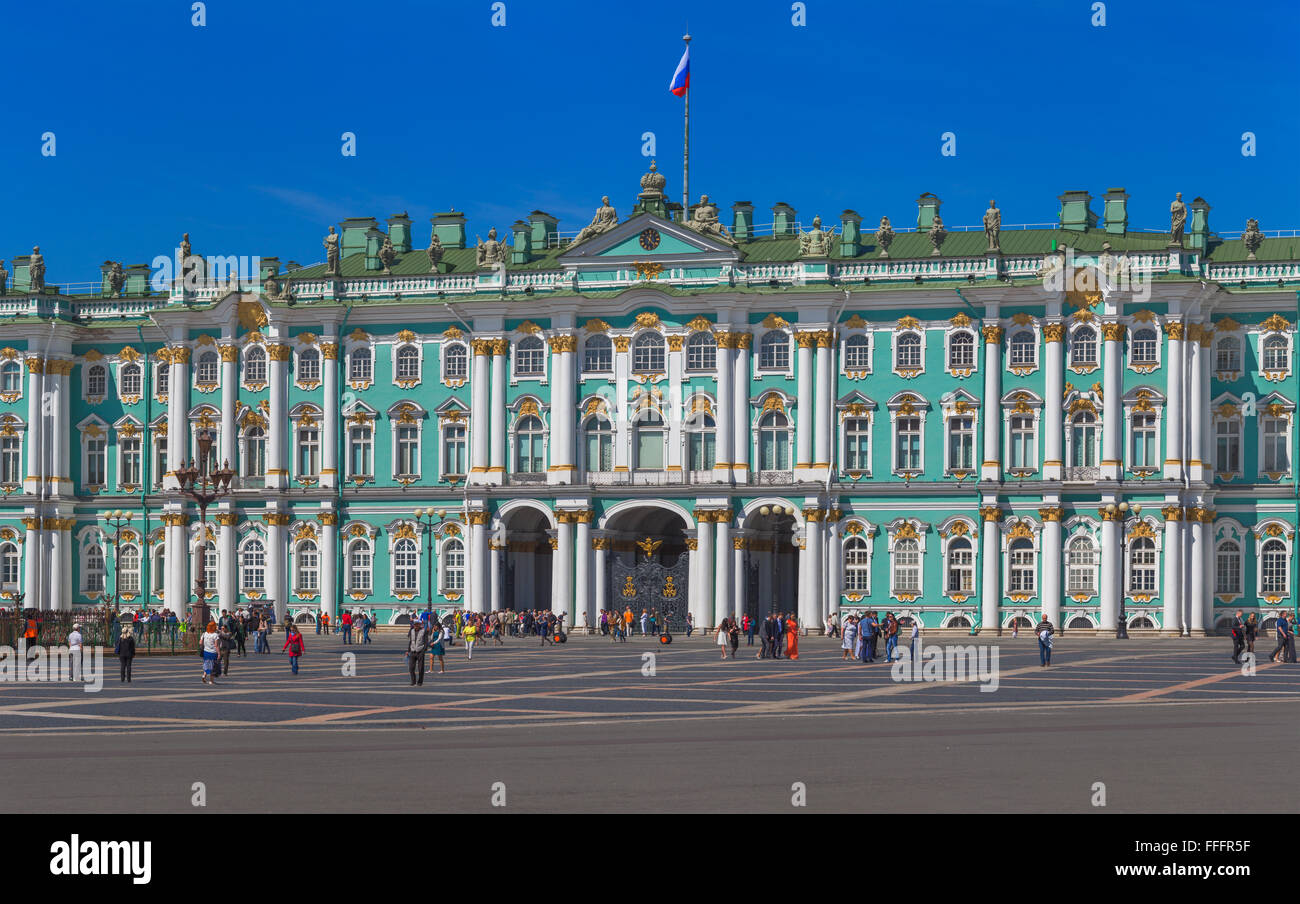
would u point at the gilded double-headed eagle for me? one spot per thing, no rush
(650, 546)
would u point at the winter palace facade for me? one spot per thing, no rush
(680, 412)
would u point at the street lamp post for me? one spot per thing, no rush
(426, 517)
(116, 519)
(1123, 508)
(203, 488)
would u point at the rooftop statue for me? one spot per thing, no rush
(606, 218)
(331, 243)
(705, 221)
(116, 280)
(1252, 238)
(884, 236)
(37, 271)
(491, 252)
(434, 252)
(4, 278)
(993, 226)
(816, 243)
(387, 254)
(1177, 219)
(937, 234)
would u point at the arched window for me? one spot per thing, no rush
(253, 570)
(1273, 580)
(1275, 357)
(961, 566)
(1142, 566)
(255, 364)
(307, 567)
(1227, 355)
(94, 576)
(96, 380)
(406, 570)
(961, 350)
(1083, 440)
(857, 444)
(701, 450)
(907, 567)
(598, 354)
(774, 351)
(530, 357)
(360, 559)
(907, 352)
(648, 441)
(128, 569)
(455, 362)
(254, 460)
(598, 444)
(360, 366)
(1083, 347)
(702, 351)
(8, 566)
(1143, 347)
(774, 442)
(648, 354)
(1022, 566)
(1081, 567)
(408, 363)
(857, 353)
(131, 380)
(1227, 569)
(530, 436)
(857, 564)
(1024, 349)
(309, 366)
(453, 567)
(11, 377)
(206, 369)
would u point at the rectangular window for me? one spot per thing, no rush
(1024, 449)
(408, 451)
(361, 452)
(453, 450)
(1145, 443)
(159, 459)
(1227, 447)
(701, 451)
(96, 462)
(128, 473)
(10, 460)
(961, 443)
(909, 444)
(1276, 460)
(857, 444)
(308, 452)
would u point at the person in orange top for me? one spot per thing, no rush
(791, 638)
(627, 621)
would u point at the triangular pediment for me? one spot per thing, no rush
(648, 237)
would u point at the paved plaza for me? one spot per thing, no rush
(1161, 722)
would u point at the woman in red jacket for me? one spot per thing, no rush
(293, 643)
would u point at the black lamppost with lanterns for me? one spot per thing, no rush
(116, 519)
(1121, 511)
(203, 486)
(431, 518)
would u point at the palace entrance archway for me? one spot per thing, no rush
(527, 561)
(648, 566)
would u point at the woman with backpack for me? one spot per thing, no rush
(125, 651)
(294, 644)
(208, 646)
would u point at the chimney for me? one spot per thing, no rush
(927, 208)
(742, 221)
(449, 227)
(521, 249)
(22, 278)
(544, 230)
(354, 234)
(783, 217)
(1200, 231)
(1115, 210)
(374, 239)
(399, 230)
(1075, 213)
(850, 233)
(105, 289)
(137, 280)
(270, 268)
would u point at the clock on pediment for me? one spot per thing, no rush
(650, 239)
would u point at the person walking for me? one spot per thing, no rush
(690, 623)
(208, 646)
(1251, 629)
(74, 651)
(911, 643)
(749, 629)
(240, 628)
(417, 644)
(891, 636)
(225, 643)
(366, 624)
(262, 628)
(1044, 631)
(724, 635)
(792, 637)
(125, 652)
(1283, 629)
(436, 649)
(471, 634)
(1238, 637)
(346, 622)
(850, 640)
(293, 642)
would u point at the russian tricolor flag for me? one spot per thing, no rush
(682, 77)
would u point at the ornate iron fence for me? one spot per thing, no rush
(98, 628)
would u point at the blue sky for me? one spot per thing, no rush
(232, 131)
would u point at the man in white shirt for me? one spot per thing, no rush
(74, 652)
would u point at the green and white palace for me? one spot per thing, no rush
(674, 410)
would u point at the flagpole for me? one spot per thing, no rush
(686, 149)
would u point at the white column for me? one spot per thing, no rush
(1196, 356)
(277, 587)
(562, 565)
(834, 567)
(497, 410)
(277, 465)
(1052, 572)
(1174, 426)
(805, 420)
(495, 577)
(702, 598)
(478, 415)
(35, 432)
(229, 402)
(227, 561)
(599, 546)
(991, 469)
(824, 405)
(1173, 580)
(1207, 568)
(738, 581)
(1207, 434)
(60, 417)
(1112, 571)
(478, 577)
(991, 571)
(583, 614)
(722, 572)
(329, 468)
(330, 556)
(816, 560)
(178, 430)
(1112, 428)
(741, 437)
(176, 592)
(726, 400)
(1197, 553)
(1053, 406)
(32, 584)
(563, 410)
(58, 570)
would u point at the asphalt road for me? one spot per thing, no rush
(581, 727)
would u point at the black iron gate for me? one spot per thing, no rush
(652, 585)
